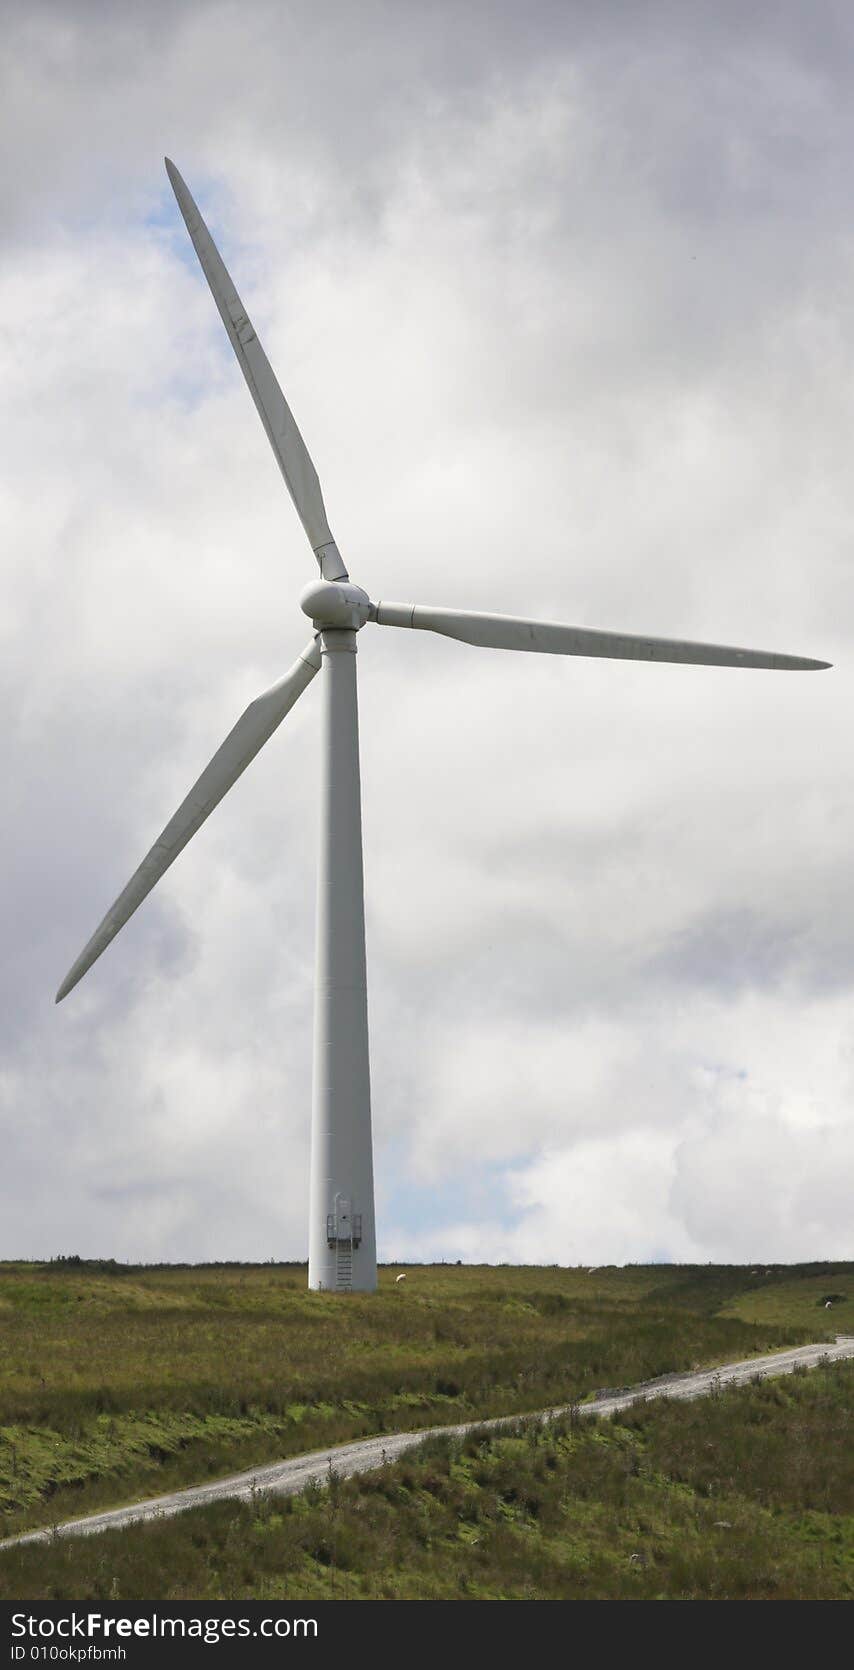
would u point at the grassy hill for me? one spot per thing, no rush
(119, 1382)
(747, 1495)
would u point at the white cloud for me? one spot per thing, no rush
(567, 330)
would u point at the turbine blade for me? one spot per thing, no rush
(275, 413)
(509, 632)
(252, 730)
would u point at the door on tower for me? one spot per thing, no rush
(344, 1233)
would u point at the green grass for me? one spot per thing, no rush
(748, 1494)
(783, 1300)
(118, 1383)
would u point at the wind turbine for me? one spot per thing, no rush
(342, 1238)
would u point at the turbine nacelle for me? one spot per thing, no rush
(336, 605)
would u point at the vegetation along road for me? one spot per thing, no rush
(293, 1475)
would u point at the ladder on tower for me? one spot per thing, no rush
(344, 1265)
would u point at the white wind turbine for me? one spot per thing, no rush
(342, 1239)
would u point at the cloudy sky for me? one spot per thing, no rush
(563, 299)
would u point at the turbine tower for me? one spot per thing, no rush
(342, 1235)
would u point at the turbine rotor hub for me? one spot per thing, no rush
(336, 604)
